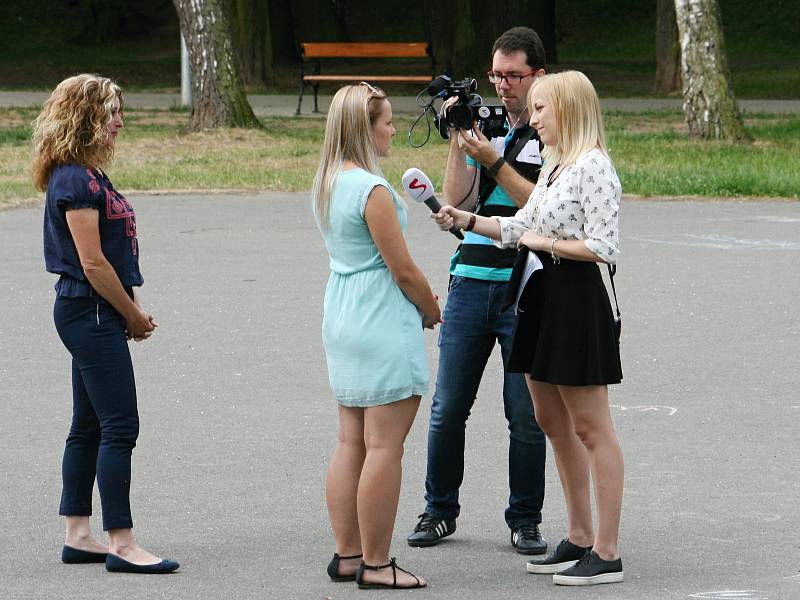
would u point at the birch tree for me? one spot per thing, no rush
(218, 97)
(708, 100)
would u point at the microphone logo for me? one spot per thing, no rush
(416, 184)
(420, 188)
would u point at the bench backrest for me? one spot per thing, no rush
(364, 50)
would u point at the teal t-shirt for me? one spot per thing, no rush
(498, 197)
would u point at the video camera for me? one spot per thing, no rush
(491, 119)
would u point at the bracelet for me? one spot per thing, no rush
(555, 258)
(495, 168)
(471, 223)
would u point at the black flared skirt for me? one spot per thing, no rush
(564, 333)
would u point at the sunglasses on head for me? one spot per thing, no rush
(375, 91)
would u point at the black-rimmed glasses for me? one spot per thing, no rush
(511, 78)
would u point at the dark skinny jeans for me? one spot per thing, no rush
(473, 323)
(105, 421)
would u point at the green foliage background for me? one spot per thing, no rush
(43, 41)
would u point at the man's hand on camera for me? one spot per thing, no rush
(446, 106)
(477, 146)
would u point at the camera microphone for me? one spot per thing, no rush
(420, 188)
(438, 85)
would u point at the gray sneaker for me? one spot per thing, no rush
(564, 556)
(590, 570)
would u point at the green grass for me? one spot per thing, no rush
(702, 169)
(20, 134)
(655, 158)
(651, 151)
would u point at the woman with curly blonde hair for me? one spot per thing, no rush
(90, 243)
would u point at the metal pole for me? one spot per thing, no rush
(186, 76)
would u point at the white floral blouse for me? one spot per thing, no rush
(581, 204)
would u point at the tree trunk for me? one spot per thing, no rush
(319, 20)
(105, 21)
(340, 10)
(282, 41)
(252, 36)
(443, 22)
(708, 100)
(267, 68)
(461, 47)
(218, 97)
(668, 51)
(542, 19)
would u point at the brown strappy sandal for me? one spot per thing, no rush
(385, 586)
(333, 568)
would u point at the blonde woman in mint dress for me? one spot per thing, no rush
(377, 304)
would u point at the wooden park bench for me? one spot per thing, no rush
(315, 52)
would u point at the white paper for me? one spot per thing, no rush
(530, 153)
(499, 144)
(532, 264)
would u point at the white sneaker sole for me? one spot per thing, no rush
(549, 569)
(559, 579)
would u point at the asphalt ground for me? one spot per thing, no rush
(238, 420)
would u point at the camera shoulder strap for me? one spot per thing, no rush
(611, 272)
(510, 154)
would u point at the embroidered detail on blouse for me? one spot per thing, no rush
(581, 204)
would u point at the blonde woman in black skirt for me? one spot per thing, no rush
(565, 340)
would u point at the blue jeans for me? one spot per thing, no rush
(105, 420)
(473, 323)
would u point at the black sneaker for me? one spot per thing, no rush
(528, 540)
(590, 570)
(430, 530)
(564, 556)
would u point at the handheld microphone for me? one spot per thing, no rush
(420, 188)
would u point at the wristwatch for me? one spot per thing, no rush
(495, 168)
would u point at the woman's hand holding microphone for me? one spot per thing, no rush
(449, 216)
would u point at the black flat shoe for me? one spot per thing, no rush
(115, 564)
(362, 585)
(333, 568)
(73, 556)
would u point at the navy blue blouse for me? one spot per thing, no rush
(74, 186)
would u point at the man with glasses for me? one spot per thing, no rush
(489, 177)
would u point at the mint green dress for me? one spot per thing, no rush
(372, 333)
